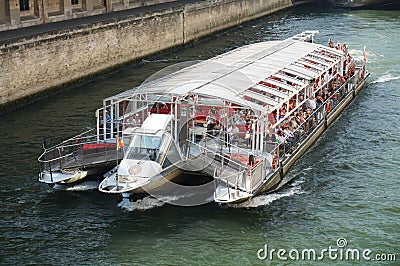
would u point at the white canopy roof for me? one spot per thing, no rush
(286, 65)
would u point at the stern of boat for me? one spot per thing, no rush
(76, 158)
(62, 177)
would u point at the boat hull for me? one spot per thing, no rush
(110, 186)
(61, 178)
(71, 176)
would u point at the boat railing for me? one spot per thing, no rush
(248, 179)
(223, 143)
(230, 182)
(76, 152)
(258, 173)
(234, 166)
(116, 123)
(217, 156)
(318, 116)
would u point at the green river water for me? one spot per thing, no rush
(344, 193)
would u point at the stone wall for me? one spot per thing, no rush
(42, 62)
(204, 19)
(37, 12)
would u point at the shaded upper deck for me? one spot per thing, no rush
(261, 76)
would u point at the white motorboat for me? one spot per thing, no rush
(151, 158)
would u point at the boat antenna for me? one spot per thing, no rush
(44, 144)
(116, 173)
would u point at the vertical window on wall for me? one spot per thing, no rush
(23, 5)
(74, 2)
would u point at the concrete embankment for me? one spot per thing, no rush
(40, 62)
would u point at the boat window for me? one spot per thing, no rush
(144, 147)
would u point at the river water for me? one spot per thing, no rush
(345, 188)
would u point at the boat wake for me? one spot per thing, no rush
(266, 199)
(84, 186)
(143, 204)
(148, 202)
(385, 78)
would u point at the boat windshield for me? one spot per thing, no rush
(144, 147)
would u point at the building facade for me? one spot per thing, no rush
(24, 13)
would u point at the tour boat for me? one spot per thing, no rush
(242, 118)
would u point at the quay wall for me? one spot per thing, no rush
(41, 62)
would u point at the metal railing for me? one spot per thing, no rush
(320, 115)
(77, 152)
(238, 175)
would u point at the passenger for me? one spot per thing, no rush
(282, 112)
(309, 111)
(344, 49)
(288, 134)
(330, 43)
(233, 132)
(346, 65)
(289, 124)
(108, 124)
(294, 122)
(301, 117)
(210, 122)
(248, 135)
(210, 116)
(341, 80)
(280, 136)
(328, 107)
(319, 101)
(321, 81)
(352, 67)
(241, 121)
(235, 117)
(328, 77)
(213, 110)
(312, 103)
(271, 118)
(312, 122)
(336, 81)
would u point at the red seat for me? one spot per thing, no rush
(98, 145)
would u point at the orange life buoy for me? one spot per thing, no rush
(275, 161)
